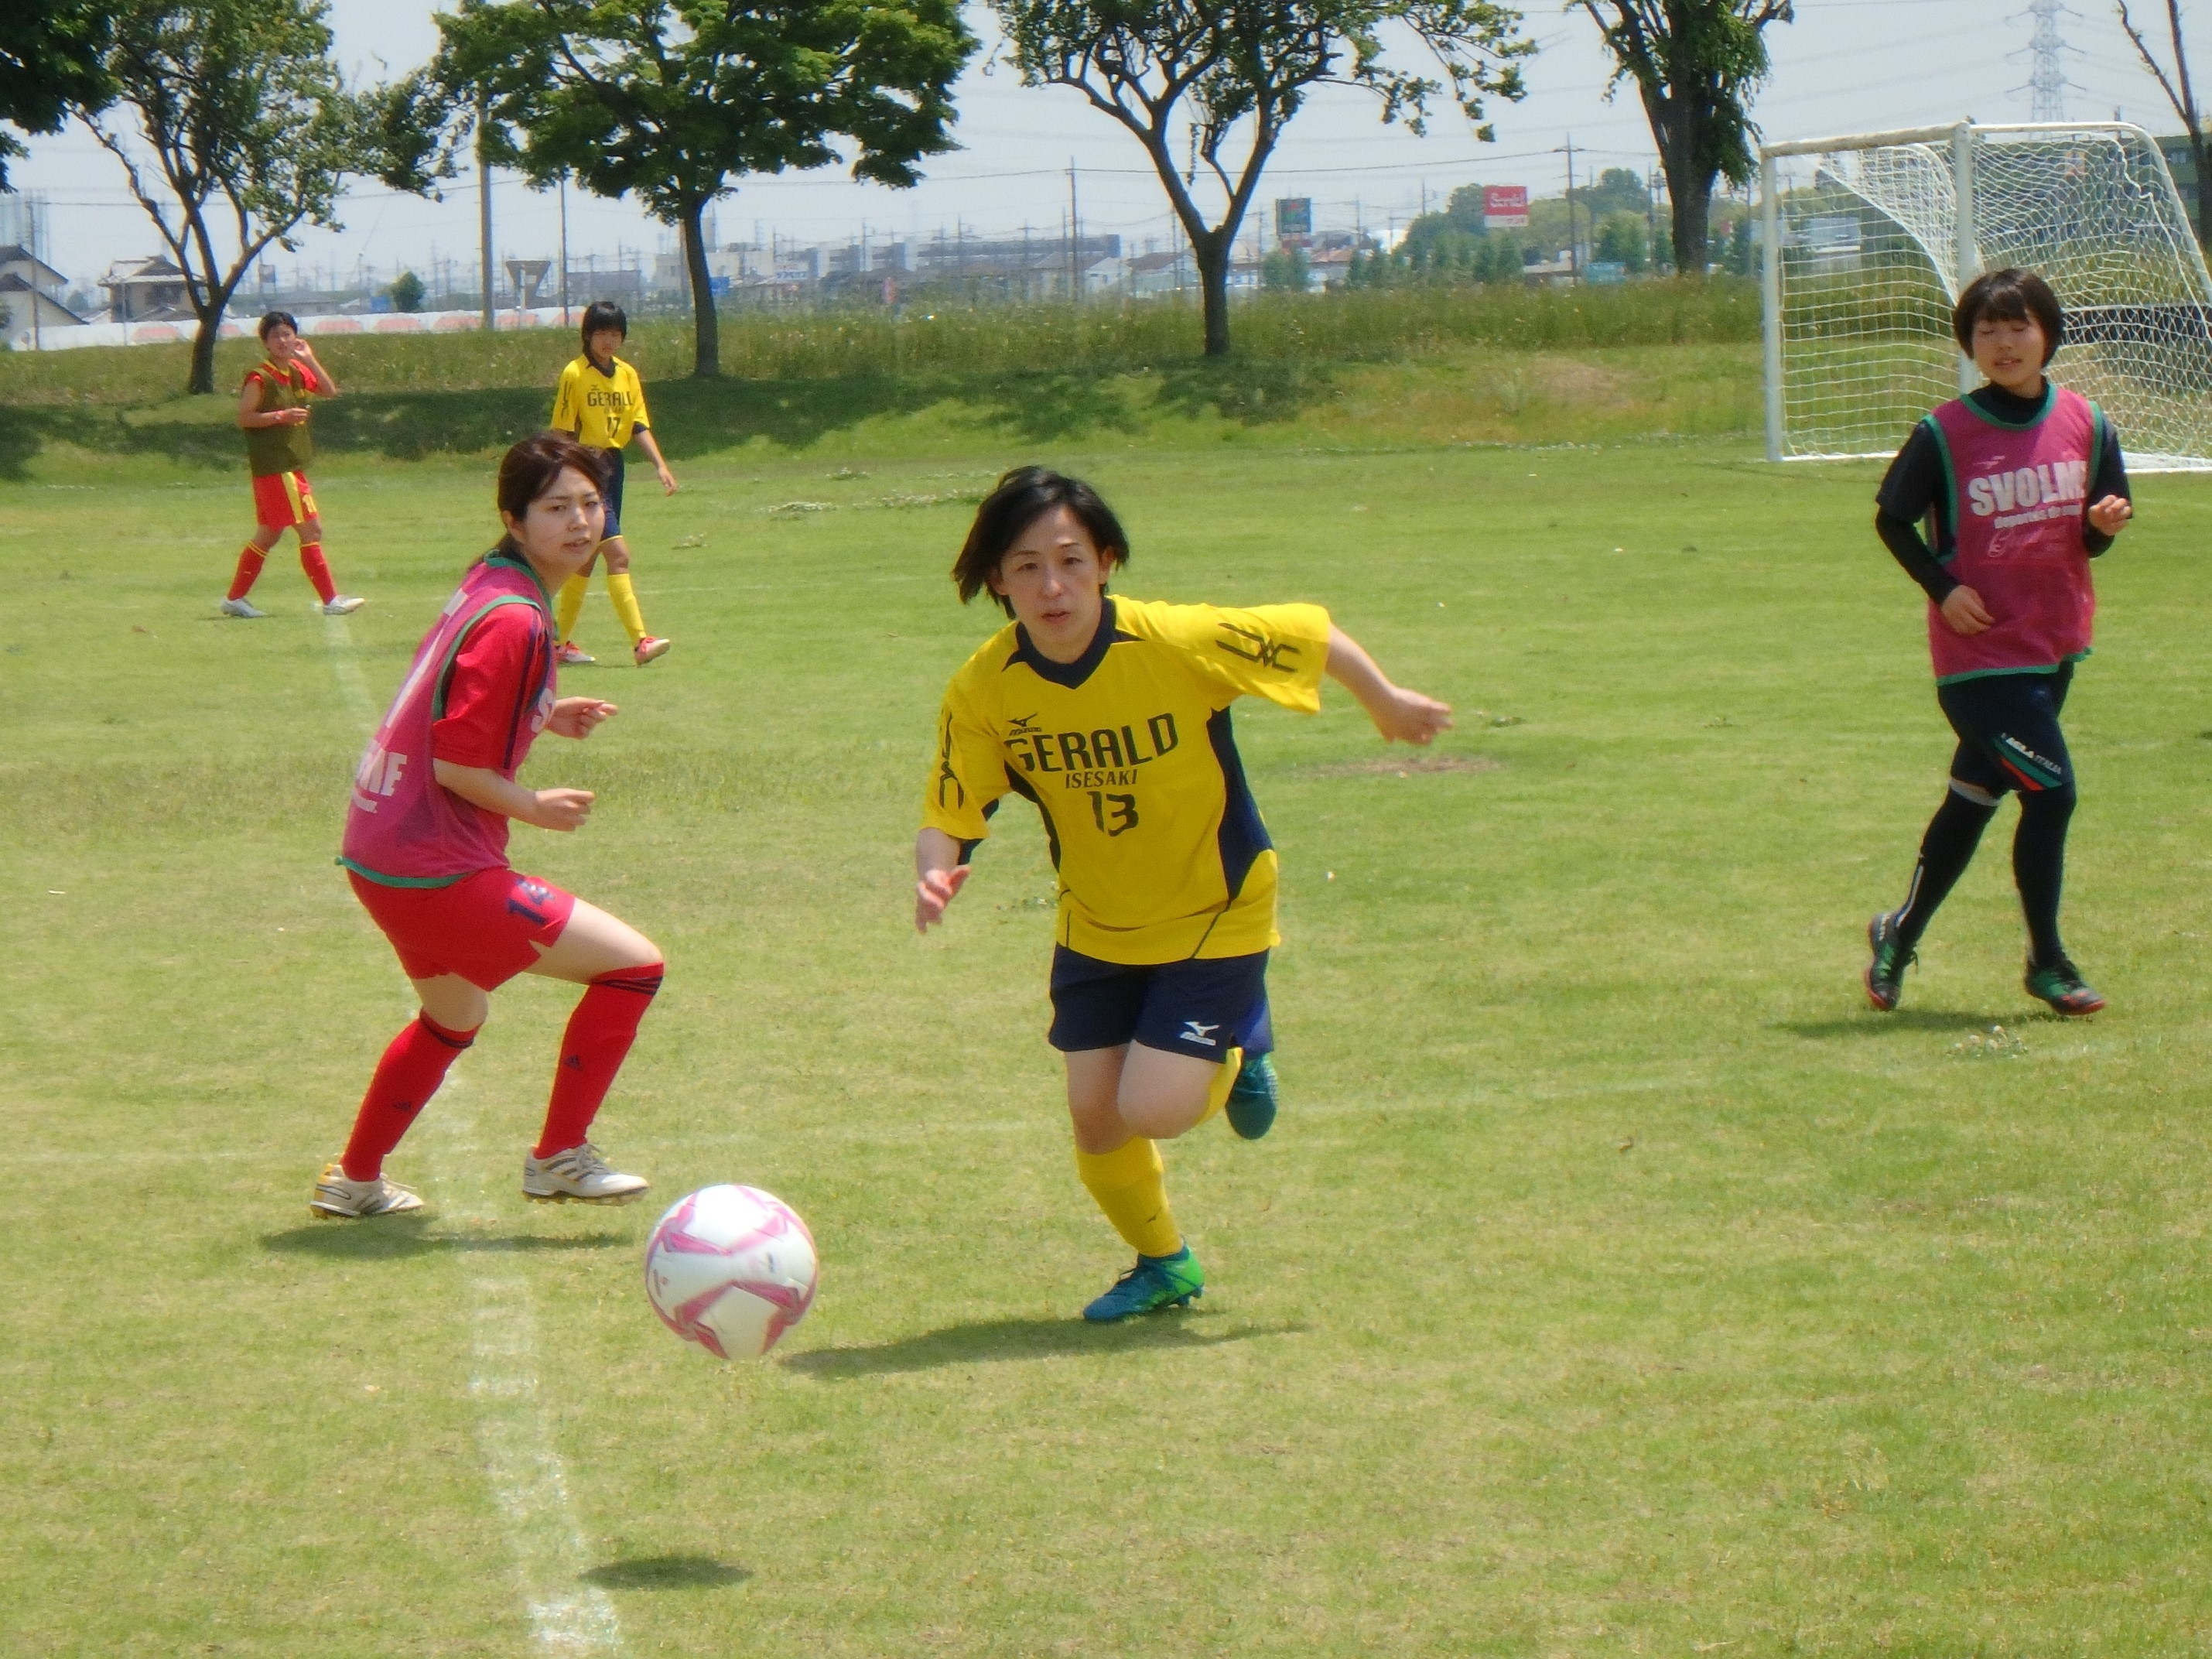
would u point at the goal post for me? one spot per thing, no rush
(1867, 241)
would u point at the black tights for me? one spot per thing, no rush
(2039, 864)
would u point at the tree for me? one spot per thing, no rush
(1285, 271)
(2180, 93)
(1622, 239)
(1694, 63)
(49, 63)
(406, 291)
(666, 100)
(249, 132)
(1185, 77)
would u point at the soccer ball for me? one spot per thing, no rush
(731, 1268)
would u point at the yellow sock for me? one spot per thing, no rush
(1129, 1184)
(625, 603)
(570, 605)
(1224, 1079)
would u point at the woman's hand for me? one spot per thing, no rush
(1964, 614)
(578, 717)
(558, 809)
(667, 478)
(1403, 716)
(936, 889)
(2109, 516)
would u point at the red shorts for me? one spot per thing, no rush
(487, 928)
(282, 499)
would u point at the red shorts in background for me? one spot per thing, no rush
(487, 928)
(282, 500)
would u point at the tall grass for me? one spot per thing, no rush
(1350, 326)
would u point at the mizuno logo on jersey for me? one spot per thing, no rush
(1195, 1031)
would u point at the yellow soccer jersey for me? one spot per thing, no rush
(601, 410)
(1129, 755)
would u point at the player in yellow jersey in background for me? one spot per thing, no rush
(601, 403)
(1112, 716)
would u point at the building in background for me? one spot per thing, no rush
(30, 291)
(145, 291)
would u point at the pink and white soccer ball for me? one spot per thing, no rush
(731, 1268)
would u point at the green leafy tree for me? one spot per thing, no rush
(1623, 240)
(234, 130)
(1215, 82)
(406, 291)
(49, 63)
(667, 100)
(1285, 270)
(1695, 64)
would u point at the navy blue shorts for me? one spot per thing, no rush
(1199, 1008)
(2008, 735)
(611, 463)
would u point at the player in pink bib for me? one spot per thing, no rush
(2021, 484)
(425, 849)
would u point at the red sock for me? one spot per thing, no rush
(318, 570)
(249, 572)
(598, 1036)
(408, 1075)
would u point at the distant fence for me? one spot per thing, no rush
(373, 322)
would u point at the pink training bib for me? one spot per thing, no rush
(403, 828)
(2018, 494)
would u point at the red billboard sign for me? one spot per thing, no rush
(1506, 207)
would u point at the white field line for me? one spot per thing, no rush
(515, 1431)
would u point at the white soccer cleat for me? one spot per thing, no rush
(240, 608)
(342, 605)
(579, 1175)
(338, 1194)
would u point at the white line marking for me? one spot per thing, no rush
(515, 1431)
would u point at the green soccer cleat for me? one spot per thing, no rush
(1885, 974)
(1251, 1106)
(2060, 985)
(1156, 1282)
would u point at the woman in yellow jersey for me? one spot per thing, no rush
(1112, 716)
(600, 402)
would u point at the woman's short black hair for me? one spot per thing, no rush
(2010, 295)
(601, 314)
(1025, 496)
(276, 320)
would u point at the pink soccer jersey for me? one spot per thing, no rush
(2019, 497)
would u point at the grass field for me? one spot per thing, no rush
(1614, 1283)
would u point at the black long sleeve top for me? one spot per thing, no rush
(1913, 494)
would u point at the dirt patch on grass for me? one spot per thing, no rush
(1391, 766)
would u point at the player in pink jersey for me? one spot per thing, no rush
(2022, 484)
(425, 847)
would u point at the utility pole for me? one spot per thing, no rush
(1574, 253)
(483, 213)
(564, 250)
(1074, 237)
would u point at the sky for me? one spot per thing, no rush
(1843, 66)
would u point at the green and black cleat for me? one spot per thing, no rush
(1885, 974)
(2060, 985)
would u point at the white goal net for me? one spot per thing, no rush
(1868, 241)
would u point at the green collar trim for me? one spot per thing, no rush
(2050, 397)
(509, 561)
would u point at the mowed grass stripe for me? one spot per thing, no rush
(1625, 1287)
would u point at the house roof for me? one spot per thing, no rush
(155, 270)
(11, 283)
(16, 254)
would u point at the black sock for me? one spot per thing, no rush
(1945, 852)
(2039, 867)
